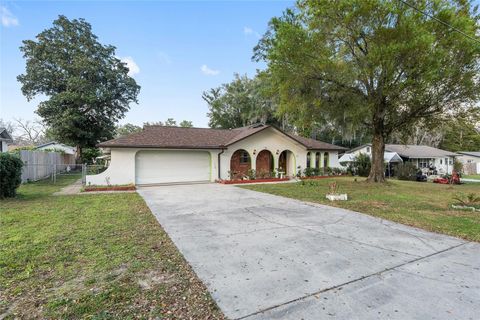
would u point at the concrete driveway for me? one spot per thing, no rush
(268, 257)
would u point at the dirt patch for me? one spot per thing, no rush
(149, 280)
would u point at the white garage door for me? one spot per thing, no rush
(171, 166)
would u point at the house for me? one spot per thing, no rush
(422, 156)
(160, 154)
(56, 146)
(470, 161)
(390, 158)
(5, 139)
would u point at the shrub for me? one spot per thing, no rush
(251, 174)
(10, 174)
(407, 171)
(361, 165)
(309, 172)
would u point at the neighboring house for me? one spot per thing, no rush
(56, 146)
(390, 158)
(422, 156)
(161, 154)
(5, 139)
(470, 161)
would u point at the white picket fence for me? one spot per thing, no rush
(39, 165)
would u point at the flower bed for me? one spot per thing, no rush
(126, 187)
(252, 181)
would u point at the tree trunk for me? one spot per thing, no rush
(377, 171)
(78, 154)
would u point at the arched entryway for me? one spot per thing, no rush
(264, 164)
(286, 163)
(240, 163)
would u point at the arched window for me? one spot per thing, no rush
(317, 160)
(308, 159)
(325, 160)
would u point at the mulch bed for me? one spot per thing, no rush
(112, 188)
(252, 181)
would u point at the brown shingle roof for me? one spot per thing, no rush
(199, 138)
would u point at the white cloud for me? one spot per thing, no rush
(209, 72)
(132, 66)
(8, 19)
(250, 32)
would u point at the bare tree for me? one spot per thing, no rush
(29, 132)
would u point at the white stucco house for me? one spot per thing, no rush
(5, 139)
(422, 156)
(54, 145)
(470, 161)
(163, 155)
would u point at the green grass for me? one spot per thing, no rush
(472, 176)
(423, 205)
(92, 256)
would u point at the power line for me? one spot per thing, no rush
(440, 21)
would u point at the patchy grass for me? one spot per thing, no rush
(423, 205)
(92, 256)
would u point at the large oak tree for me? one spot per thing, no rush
(87, 86)
(384, 64)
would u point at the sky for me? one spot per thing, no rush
(175, 49)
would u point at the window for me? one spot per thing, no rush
(423, 163)
(308, 159)
(441, 161)
(317, 160)
(368, 149)
(244, 157)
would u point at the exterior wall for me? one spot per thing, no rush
(268, 139)
(468, 159)
(4, 147)
(442, 164)
(473, 163)
(122, 167)
(275, 142)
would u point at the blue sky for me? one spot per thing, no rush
(181, 48)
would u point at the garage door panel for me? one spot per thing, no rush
(171, 166)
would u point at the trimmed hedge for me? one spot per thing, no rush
(10, 174)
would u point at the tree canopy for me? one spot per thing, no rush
(87, 86)
(240, 103)
(378, 64)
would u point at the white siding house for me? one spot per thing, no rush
(422, 156)
(470, 161)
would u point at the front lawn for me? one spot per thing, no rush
(92, 256)
(472, 176)
(424, 205)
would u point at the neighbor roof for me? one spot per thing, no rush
(413, 151)
(53, 142)
(470, 153)
(200, 138)
(5, 135)
(418, 151)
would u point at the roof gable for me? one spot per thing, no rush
(5, 135)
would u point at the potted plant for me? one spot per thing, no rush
(333, 194)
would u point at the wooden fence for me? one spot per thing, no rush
(39, 165)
